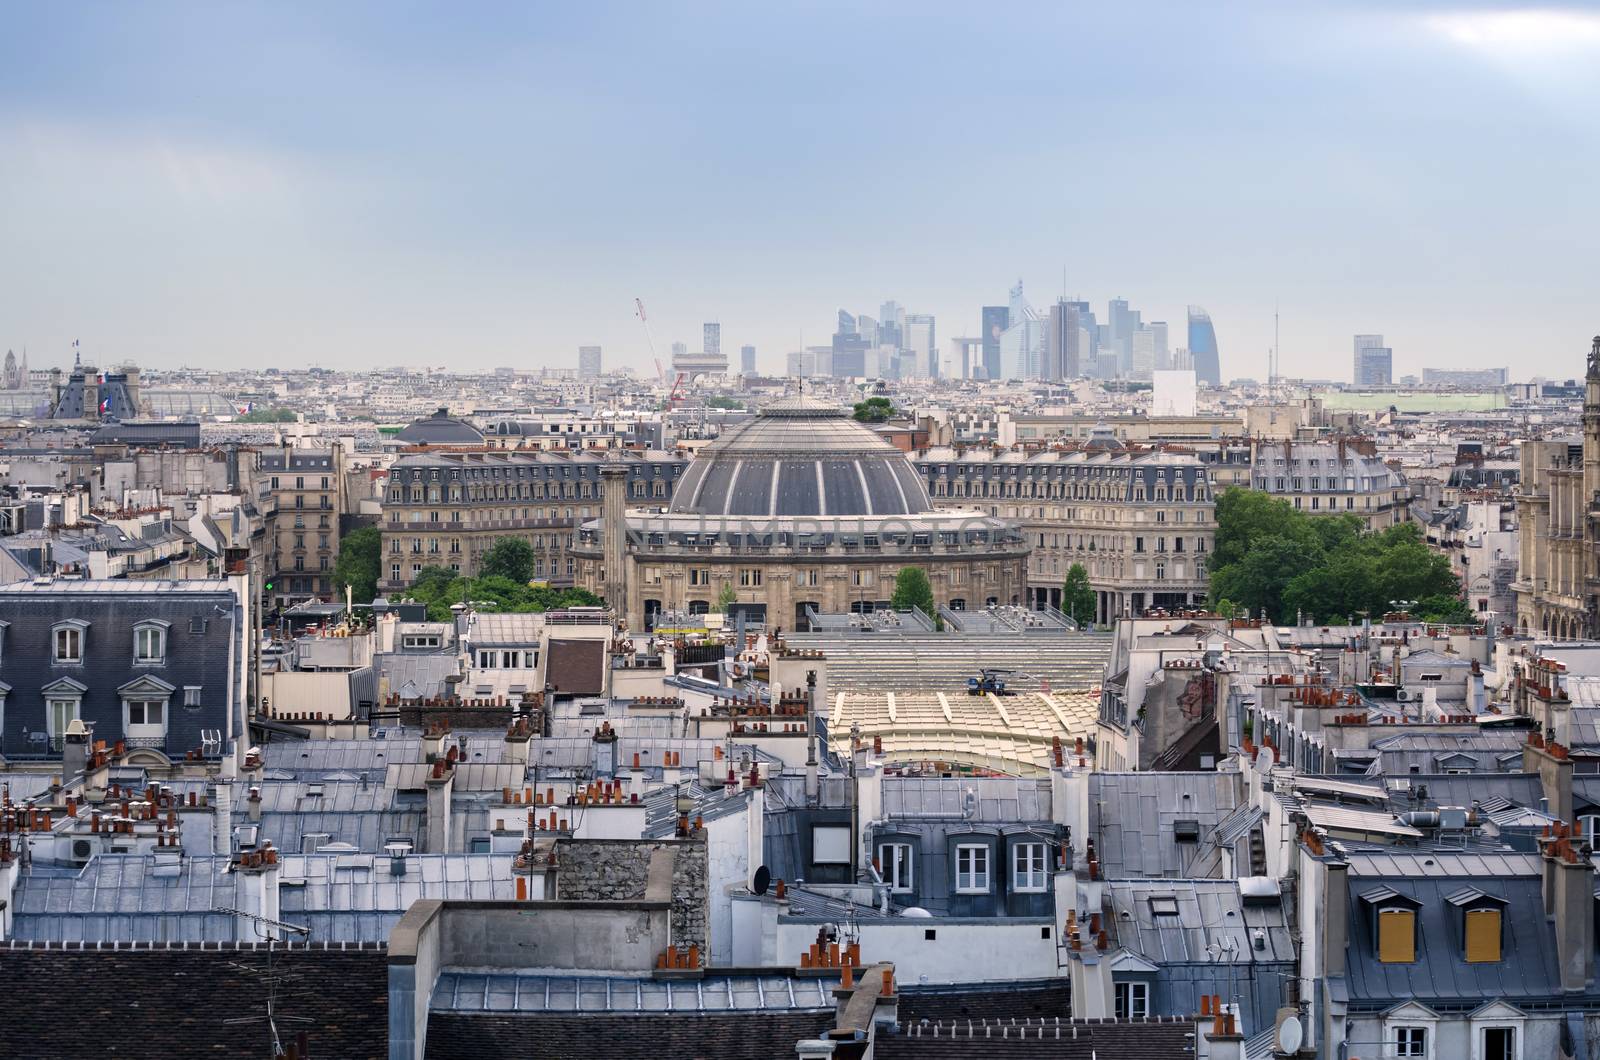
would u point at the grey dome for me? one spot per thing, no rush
(800, 457)
(440, 429)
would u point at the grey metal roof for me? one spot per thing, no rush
(1440, 976)
(356, 898)
(1213, 924)
(464, 990)
(944, 661)
(796, 461)
(999, 800)
(1131, 817)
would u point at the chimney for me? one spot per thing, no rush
(519, 741)
(74, 750)
(1574, 909)
(1221, 1035)
(1555, 776)
(257, 872)
(222, 820)
(253, 801)
(603, 751)
(1335, 916)
(440, 785)
(811, 735)
(813, 1049)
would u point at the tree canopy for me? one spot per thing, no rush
(360, 553)
(1271, 556)
(509, 557)
(912, 589)
(439, 587)
(875, 410)
(1077, 598)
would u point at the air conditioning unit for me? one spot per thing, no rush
(1403, 695)
(82, 850)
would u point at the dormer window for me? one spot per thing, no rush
(1394, 925)
(150, 643)
(1482, 918)
(67, 640)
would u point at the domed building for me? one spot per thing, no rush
(440, 429)
(799, 507)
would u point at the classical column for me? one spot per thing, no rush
(614, 527)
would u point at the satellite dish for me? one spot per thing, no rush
(762, 881)
(1290, 1035)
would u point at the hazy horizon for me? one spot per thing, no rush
(371, 184)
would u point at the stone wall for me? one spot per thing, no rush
(614, 870)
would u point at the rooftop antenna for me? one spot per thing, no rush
(271, 931)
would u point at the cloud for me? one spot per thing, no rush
(1525, 30)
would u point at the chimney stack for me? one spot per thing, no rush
(74, 750)
(440, 784)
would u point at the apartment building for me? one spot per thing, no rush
(303, 492)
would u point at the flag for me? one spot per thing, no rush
(105, 405)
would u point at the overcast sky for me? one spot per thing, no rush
(475, 185)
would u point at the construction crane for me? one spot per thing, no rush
(676, 394)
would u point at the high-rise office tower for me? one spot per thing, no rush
(1158, 331)
(920, 341)
(1203, 348)
(1064, 341)
(1022, 345)
(747, 360)
(996, 318)
(588, 362)
(1142, 355)
(679, 349)
(849, 349)
(1374, 362)
(712, 342)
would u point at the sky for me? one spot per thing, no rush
(366, 184)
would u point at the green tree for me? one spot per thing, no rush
(360, 552)
(875, 410)
(718, 401)
(1077, 598)
(509, 557)
(912, 589)
(727, 596)
(267, 416)
(1448, 609)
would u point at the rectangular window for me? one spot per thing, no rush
(1133, 1000)
(146, 712)
(1499, 1043)
(1411, 1041)
(749, 576)
(1483, 936)
(1027, 867)
(699, 576)
(972, 869)
(191, 695)
(486, 659)
(1397, 942)
(62, 711)
(830, 844)
(69, 645)
(894, 863)
(149, 644)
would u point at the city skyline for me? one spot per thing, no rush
(429, 192)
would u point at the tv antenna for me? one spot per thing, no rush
(271, 931)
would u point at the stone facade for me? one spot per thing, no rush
(446, 509)
(1558, 586)
(1141, 522)
(306, 488)
(615, 870)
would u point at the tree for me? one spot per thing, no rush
(1272, 557)
(1077, 598)
(360, 553)
(509, 557)
(912, 589)
(727, 596)
(875, 410)
(267, 416)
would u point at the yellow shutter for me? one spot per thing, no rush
(1397, 940)
(1483, 935)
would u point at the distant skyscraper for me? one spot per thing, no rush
(679, 349)
(747, 360)
(712, 342)
(1374, 362)
(1065, 339)
(1142, 359)
(1158, 334)
(996, 318)
(588, 362)
(849, 349)
(919, 339)
(1022, 345)
(1203, 348)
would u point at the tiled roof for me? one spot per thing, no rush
(660, 1036)
(180, 1004)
